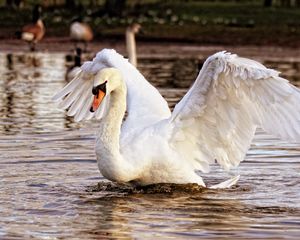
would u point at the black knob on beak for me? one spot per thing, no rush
(101, 87)
(95, 91)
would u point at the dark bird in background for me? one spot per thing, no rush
(77, 58)
(81, 32)
(34, 32)
(74, 69)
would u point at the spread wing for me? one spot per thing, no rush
(145, 105)
(217, 118)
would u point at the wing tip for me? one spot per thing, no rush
(57, 97)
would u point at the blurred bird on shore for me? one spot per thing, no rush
(34, 32)
(81, 32)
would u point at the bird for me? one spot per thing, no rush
(130, 42)
(34, 32)
(72, 71)
(81, 32)
(214, 122)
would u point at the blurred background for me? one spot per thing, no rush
(256, 22)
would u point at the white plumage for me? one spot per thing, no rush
(216, 119)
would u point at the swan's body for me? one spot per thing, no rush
(143, 168)
(130, 42)
(216, 119)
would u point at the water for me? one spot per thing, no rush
(49, 176)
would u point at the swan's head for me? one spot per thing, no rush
(105, 81)
(135, 27)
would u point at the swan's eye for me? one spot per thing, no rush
(101, 87)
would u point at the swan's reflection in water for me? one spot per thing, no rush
(47, 164)
(179, 214)
(146, 215)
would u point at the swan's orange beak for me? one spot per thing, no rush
(97, 101)
(99, 93)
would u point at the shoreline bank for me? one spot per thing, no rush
(155, 48)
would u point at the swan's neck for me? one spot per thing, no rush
(131, 46)
(110, 161)
(110, 125)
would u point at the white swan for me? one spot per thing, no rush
(216, 119)
(130, 42)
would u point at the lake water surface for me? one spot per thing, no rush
(48, 171)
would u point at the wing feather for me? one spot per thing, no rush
(230, 98)
(145, 105)
(81, 96)
(69, 87)
(71, 97)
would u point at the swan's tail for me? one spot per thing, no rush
(226, 184)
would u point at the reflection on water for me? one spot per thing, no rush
(49, 176)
